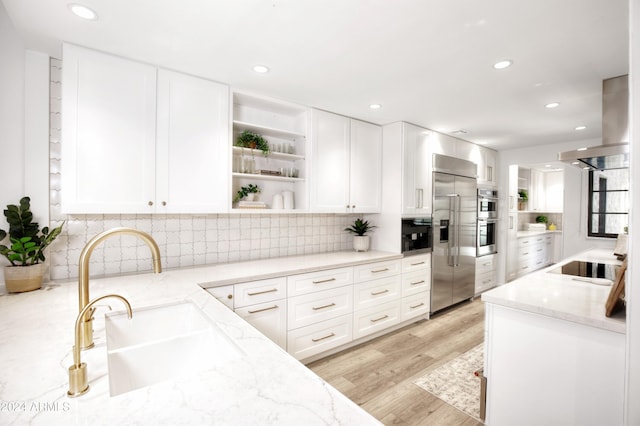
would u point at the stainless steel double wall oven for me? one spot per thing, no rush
(487, 230)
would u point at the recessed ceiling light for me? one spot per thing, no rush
(581, 127)
(547, 165)
(502, 64)
(575, 163)
(582, 149)
(375, 106)
(83, 12)
(552, 105)
(261, 69)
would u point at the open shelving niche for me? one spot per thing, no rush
(284, 125)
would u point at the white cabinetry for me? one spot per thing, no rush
(108, 129)
(136, 138)
(548, 371)
(284, 126)
(486, 273)
(263, 304)
(416, 286)
(192, 130)
(534, 252)
(377, 291)
(416, 171)
(320, 307)
(347, 164)
(487, 167)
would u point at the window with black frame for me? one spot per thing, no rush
(608, 202)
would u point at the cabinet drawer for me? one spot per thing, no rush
(417, 262)
(268, 318)
(253, 292)
(320, 280)
(376, 318)
(314, 339)
(223, 294)
(375, 292)
(416, 282)
(525, 253)
(372, 271)
(415, 305)
(320, 306)
(485, 281)
(485, 264)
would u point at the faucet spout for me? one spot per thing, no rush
(86, 335)
(78, 382)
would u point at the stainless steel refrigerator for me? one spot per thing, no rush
(455, 215)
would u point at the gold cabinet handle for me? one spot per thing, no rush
(375, 293)
(323, 307)
(418, 282)
(380, 319)
(262, 292)
(270, 308)
(418, 263)
(375, 271)
(323, 281)
(322, 338)
(417, 306)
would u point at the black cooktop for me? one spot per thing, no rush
(588, 270)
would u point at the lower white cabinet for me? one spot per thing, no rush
(269, 318)
(486, 273)
(534, 252)
(315, 307)
(316, 312)
(416, 286)
(376, 318)
(311, 340)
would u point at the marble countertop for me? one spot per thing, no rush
(264, 386)
(559, 296)
(523, 234)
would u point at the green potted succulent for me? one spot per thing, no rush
(249, 139)
(359, 227)
(26, 248)
(249, 192)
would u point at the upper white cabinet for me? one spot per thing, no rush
(416, 170)
(547, 191)
(284, 126)
(347, 164)
(487, 167)
(141, 140)
(191, 152)
(108, 133)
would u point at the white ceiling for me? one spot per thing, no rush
(428, 62)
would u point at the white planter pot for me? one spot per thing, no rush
(361, 243)
(18, 279)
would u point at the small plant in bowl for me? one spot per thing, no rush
(360, 227)
(249, 192)
(26, 249)
(249, 139)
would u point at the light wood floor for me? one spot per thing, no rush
(378, 375)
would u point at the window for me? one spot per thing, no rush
(608, 202)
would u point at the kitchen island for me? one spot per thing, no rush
(551, 355)
(264, 385)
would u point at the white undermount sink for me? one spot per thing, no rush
(163, 342)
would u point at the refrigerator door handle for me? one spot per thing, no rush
(457, 228)
(451, 243)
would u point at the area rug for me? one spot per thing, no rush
(455, 382)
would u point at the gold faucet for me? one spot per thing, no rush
(78, 382)
(86, 334)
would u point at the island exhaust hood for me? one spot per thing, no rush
(614, 151)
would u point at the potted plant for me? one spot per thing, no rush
(360, 227)
(523, 197)
(249, 192)
(249, 139)
(26, 249)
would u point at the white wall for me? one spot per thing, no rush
(11, 113)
